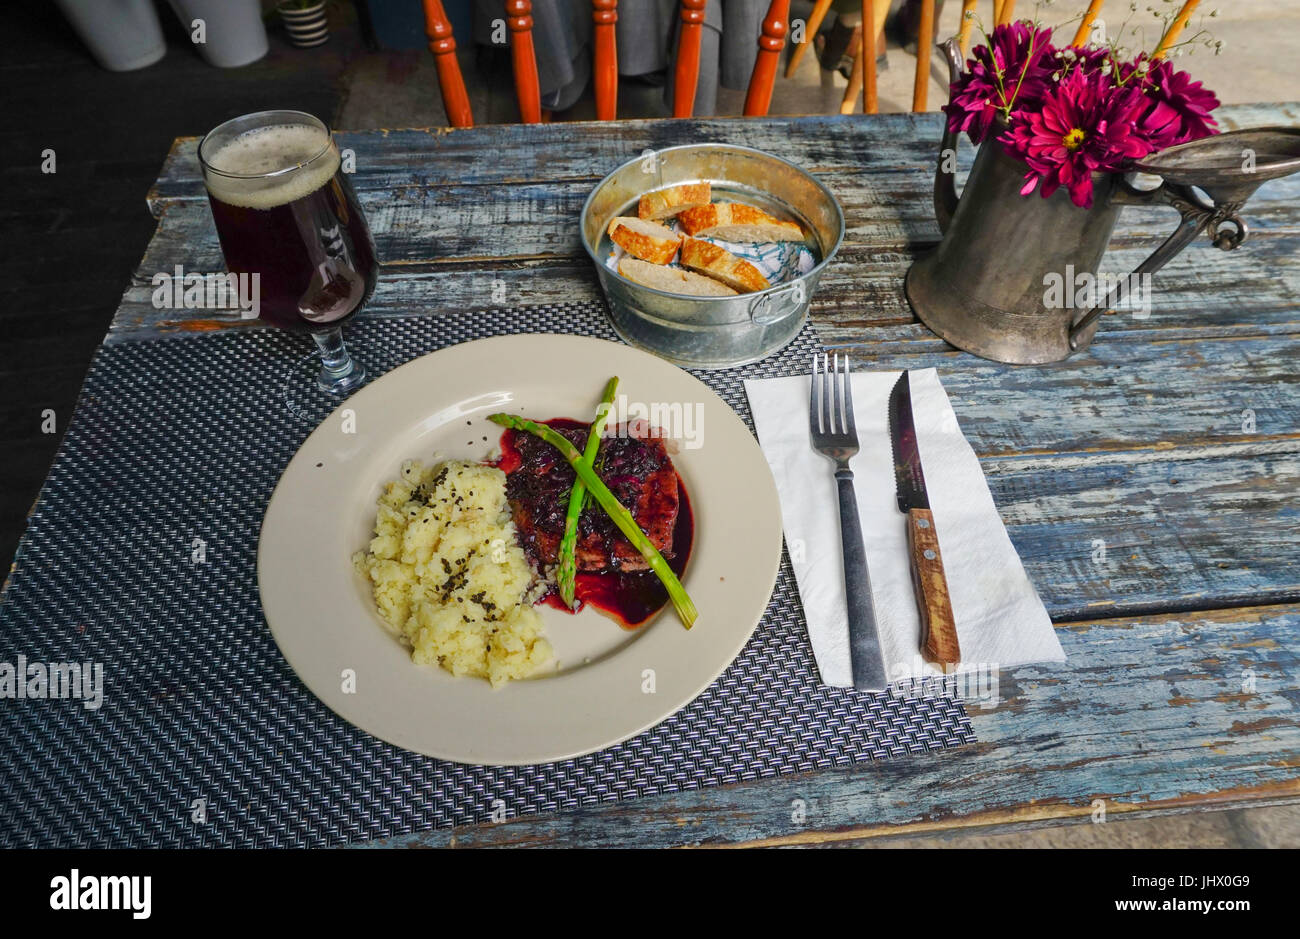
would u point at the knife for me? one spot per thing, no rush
(938, 628)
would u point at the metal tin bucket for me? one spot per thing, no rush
(713, 332)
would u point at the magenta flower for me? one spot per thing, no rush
(1178, 109)
(1084, 124)
(1016, 73)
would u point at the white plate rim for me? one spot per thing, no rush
(587, 714)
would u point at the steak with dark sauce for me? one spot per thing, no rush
(632, 462)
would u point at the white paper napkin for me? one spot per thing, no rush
(1000, 619)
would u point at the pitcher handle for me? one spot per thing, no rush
(1197, 215)
(945, 180)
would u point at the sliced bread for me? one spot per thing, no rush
(665, 203)
(644, 239)
(735, 221)
(721, 264)
(672, 279)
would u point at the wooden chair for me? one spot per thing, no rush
(770, 43)
(1004, 11)
(815, 20)
(864, 66)
(604, 13)
(862, 78)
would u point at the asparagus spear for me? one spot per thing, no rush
(577, 498)
(609, 502)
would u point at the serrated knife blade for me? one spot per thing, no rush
(909, 479)
(929, 580)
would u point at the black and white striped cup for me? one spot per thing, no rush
(307, 26)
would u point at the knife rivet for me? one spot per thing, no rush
(922, 523)
(929, 555)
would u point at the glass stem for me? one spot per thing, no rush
(339, 373)
(334, 353)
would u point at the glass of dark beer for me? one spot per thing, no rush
(286, 214)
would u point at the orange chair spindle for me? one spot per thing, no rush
(686, 75)
(924, 47)
(1085, 24)
(519, 17)
(870, 101)
(967, 24)
(604, 13)
(1170, 38)
(854, 87)
(1008, 12)
(815, 19)
(443, 46)
(770, 44)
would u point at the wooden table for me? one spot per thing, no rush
(1150, 483)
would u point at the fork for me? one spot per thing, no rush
(835, 435)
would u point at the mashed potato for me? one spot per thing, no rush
(448, 575)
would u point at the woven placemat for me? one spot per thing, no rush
(205, 737)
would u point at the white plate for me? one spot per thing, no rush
(608, 684)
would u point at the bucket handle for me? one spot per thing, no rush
(1197, 215)
(773, 306)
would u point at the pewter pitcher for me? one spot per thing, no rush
(985, 289)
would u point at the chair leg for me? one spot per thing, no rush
(604, 14)
(519, 17)
(770, 44)
(849, 104)
(967, 25)
(686, 73)
(1085, 25)
(450, 81)
(814, 24)
(873, 30)
(924, 52)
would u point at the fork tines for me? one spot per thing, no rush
(830, 403)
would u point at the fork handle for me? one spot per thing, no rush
(864, 639)
(938, 626)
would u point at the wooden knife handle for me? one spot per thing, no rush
(938, 628)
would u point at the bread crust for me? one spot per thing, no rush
(721, 264)
(735, 221)
(673, 279)
(644, 239)
(669, 201)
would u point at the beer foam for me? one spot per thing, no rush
(266, 150)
